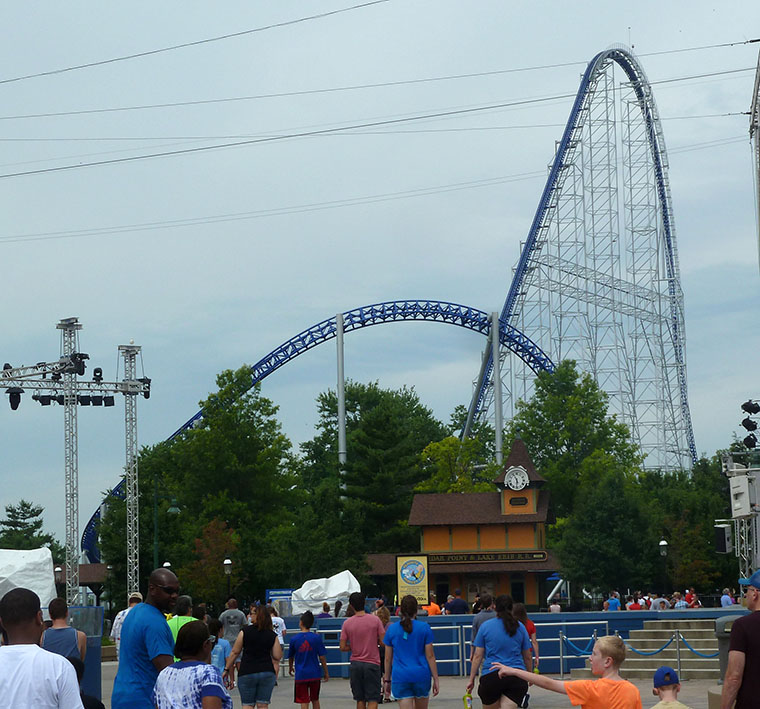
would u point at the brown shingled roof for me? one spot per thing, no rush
(469, 508)
(519, 456)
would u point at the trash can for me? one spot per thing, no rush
(89, 619)
(723, 633)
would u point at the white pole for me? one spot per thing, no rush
(497, 400)
(341, 391)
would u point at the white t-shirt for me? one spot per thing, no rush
(33, 677)
(278, 625)
(118, 621)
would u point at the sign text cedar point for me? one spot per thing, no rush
(481, 557)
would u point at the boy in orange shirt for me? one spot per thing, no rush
(610, 691)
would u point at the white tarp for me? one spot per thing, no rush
(315, 592)
(32, 569)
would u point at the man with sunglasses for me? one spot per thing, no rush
(147, 645)
(742, 680)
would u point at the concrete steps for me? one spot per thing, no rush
(700, 634)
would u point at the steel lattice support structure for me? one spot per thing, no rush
(69, 328)
(129, 353)
(598, 280)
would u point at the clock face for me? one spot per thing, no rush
(517, 478)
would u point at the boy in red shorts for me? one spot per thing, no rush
(610, 691)
(306, 653)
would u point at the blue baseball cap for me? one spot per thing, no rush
(753, 580)
(665, 676)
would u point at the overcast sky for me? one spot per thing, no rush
(239, 280)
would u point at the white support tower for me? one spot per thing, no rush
(129, 353)
(754, 134)
(69, 328)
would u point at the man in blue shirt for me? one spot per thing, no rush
(147, 645)
(725, 600)
(614, 601)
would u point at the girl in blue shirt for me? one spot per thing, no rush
(409, 659)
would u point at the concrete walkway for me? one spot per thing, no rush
(336, 694)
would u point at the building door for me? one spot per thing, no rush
(517, 586)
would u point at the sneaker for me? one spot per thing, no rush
(525, 701)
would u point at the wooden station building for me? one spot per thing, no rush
(485, 542)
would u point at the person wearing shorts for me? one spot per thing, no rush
(502, 639)
(362, 634)
(409, 659)
(260, 647)
(305, 654)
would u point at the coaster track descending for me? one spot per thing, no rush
(609, 297)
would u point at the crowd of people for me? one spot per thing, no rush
(172, 654)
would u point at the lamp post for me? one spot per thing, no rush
(167, 564)
(57, 577)
(109, 569)
(173, 510)
(228, 573)
(664, 554)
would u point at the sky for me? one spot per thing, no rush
(210, 259)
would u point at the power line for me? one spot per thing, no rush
(184, 45)
(316, 206)
(461, 129)
(332, 89)
(333, 130)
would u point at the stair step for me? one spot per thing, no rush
(664, 635)
(651, 644)
(686, 674)
(696, 624)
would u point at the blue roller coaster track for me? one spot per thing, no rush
(366, 316)
(640, 85)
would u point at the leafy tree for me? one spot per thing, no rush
(22, 529)
(564, 423)
(450, 466)
(608, 542)
(234, 469)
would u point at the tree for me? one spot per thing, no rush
(365, 506)
(564, 423)
(22, 529)
(235, 469)
(608, 542)
(449, 466)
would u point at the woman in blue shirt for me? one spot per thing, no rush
(409, 659)
(501, 639)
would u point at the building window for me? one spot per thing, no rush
(518, 501)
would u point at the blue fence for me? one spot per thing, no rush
(565, 639)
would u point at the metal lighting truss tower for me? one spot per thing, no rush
(598, 279)
(129, 353)
(57, 382)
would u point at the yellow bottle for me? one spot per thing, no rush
(467, 701)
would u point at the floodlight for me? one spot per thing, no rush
(84, 399)
(108, 401)
(751, 407)
(96, 400)
(146, 381)
(59, 399)
(14, 396)
(749, 424)
(750, 441)
(97, 374)
(45, 399)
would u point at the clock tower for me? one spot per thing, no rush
(519, 482)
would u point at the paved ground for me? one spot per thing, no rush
(336, 693)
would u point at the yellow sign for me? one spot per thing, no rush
(412, 577)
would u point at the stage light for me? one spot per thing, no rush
(45, 399)
(108, 401)
(749, 424)
(14, 396)
(750, 441)
(97, 374)
(145, 380)
(84, 399)
(751, 407)
(96, 399)
(59, 399)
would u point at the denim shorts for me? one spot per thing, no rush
(256, 688)
(409, 690)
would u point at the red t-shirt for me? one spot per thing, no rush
(634, 607)
(530, 626)
(363, 633)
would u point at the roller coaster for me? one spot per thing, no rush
(597, 279)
